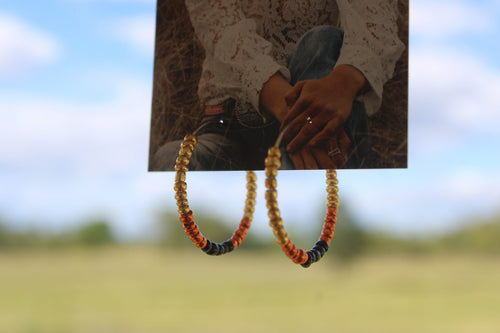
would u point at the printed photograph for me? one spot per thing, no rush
(326, 81)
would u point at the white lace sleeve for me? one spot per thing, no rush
(238, 60)
(371, 43)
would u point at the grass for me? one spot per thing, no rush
(139, 289)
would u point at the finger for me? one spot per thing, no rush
(308, 131)
(322, 158)
(294, 93)
(336, 154)
(298, 108)
(327, 132)
(291, 131)
(302, 138)
(297, 161)
(339, 160)
(343, 141)
(298, 113)
(305, 120)
(309, 160)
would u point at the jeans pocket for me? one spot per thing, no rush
(249, 117)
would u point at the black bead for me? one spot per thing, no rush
(228, 246)
(307, 263)
(211, 248)
(321, 246)
(316, 253)
(319, 250)
(217, 249)
(313, 255)
(207, 247)
(221, 249)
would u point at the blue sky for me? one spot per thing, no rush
(75, 101)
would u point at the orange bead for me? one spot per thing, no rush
(331, 211)
(187, 217)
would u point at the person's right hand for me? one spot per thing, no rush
(318, 108)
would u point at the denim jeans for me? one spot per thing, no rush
(225, 143)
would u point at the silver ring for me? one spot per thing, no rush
(334, 152)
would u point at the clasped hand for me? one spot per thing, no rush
(318, 109)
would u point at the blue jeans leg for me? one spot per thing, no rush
(213, 152)
(223, 144)
(314, 57)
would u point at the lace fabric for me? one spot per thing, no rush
(248, 41)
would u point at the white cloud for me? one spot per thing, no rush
(453, 95)
(423, 200)
(92, 140)
(463, 184)
(443, 19)
(24, 47)
(139, 32)
(64, 160)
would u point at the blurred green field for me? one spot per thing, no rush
(141, 289)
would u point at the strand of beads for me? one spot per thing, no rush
(187, 217)
(299, 256)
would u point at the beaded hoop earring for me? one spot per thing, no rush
(299, 256)
(187, 216)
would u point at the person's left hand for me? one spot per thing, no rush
(318, 108)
